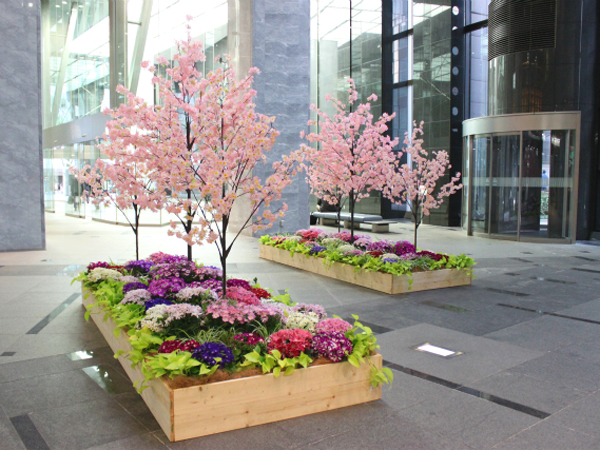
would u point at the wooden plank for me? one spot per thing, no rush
(219, 407)
(158, 396)
(228, 405)
(379, 281)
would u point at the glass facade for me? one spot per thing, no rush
(81, 63)
(346, 43)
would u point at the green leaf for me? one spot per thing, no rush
(277, 371)
(352, 359)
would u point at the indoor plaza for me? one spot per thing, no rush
(508, 88)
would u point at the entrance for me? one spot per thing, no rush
(519, 185)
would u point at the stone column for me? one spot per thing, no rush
(22, 224)
(280, 47)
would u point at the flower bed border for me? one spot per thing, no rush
(378, 281)
(240, 403)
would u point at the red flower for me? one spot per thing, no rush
(290, 343)
(260, 293)
(375, 253)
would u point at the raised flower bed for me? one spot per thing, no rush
(383, 265)
(207, 362)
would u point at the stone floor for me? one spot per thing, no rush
(528, 378)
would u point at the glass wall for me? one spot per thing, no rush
(521, 182)
(346, 43)
(75, 59)
(76, 73)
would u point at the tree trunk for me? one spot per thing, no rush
(224, 252)
(352, 216)
(416, 226)
(137, 228)
(188, 226)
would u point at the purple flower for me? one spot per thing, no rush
(333, 345)
(390, 260)
(403, 247)
(95, 265)
(306, 308)
(317, 249)
(162, 288)
(213, 353)
(383, 245)
(139, 266)
(212, 284)
(157, 301)
(236, 282)
(428, 254)
(132, 286)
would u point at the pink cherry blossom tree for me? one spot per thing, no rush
(201, 144)
(127, 173)
(350, 154)
(417, 183)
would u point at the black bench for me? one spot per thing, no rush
(377, 224)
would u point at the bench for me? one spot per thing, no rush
(377, 224)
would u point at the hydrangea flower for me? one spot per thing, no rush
(334, 345)
(331, 325)
(101, 273)
(307, 307)
(305, 321)
(137, 297)
(133, 286)
(290, 343)
(213, 353)
(156, 301)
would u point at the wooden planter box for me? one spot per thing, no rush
(230, 405)
(379, 281)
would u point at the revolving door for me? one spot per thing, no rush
(520, 176)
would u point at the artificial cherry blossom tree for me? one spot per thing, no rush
(129, 177)
(203, 141)
(351, 154)
(417, 182)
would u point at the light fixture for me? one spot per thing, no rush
(436, 350)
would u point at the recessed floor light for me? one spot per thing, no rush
(435, 350)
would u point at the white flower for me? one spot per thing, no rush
(306, 321)
(137, 296)
(102, 273)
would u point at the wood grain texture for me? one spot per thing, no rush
(230, 405)
(378, 281)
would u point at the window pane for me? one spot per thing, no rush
(478, 10)
(400, 16)
(400, 58)
(478, 79)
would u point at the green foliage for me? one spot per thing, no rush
(364, 345)
(172, 364)
(274, 362)
(372, 263)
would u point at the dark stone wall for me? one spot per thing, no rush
(21, 191)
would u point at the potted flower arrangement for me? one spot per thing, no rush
(184, 342)
(383, 265)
